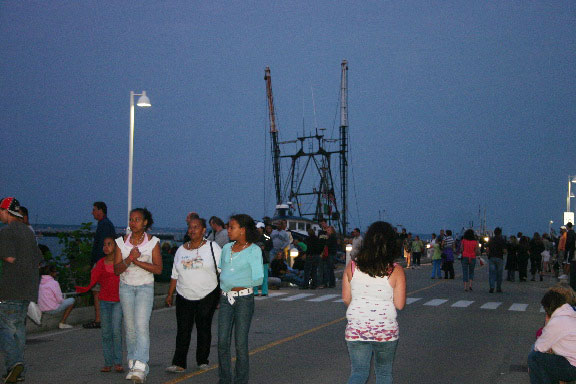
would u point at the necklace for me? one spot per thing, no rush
(139, 241)
(233, 252)
(196, 248)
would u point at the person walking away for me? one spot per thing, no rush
(536, 249)
(470, 249)
(373, 289)
(496, 249)
(136, 260)
(18, 286)
(523, 257)
(265, 244)
(219, 233)
(50, 299)
(104, 229)
(562, 252)
(407, 250)
(554, 356)
(110, 307)
(436, 261)
(547, 253)
(417, 247)
(315, 249)
(570, 247)
(512, 258)
(195, 281)
(448, 251)
(241, 265)
(327, 263)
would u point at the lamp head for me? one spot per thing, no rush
(143, 101)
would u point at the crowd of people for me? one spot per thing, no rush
(227, 268)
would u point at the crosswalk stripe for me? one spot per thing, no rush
(297, 297)
(270, 294)
(324, 298)
(462, 303)
(411, 300)
(518, 307)
(435, 302)
(491, 305)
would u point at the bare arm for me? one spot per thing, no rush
(398, 283)
(346, 289)
(170, 294)
(10, 260)
(119, 265)
(156, 266)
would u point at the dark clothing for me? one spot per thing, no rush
(448, 268)
(496, 247)
(315, 245)
(265, 243)
(523, 256)
(278, 268)
(512, 260)
(570, 240)
(20, 279)
(189, 312)
(536, 248)
(104, 229)
(311, 271)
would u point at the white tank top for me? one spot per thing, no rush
(134, 275)
(371, 314)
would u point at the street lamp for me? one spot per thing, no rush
(550, 227)
(144, 102)
(571, 179)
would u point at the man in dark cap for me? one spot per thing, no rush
(18, 285)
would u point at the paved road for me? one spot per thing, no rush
(447, 336)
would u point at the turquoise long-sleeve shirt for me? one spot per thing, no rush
(241, 269)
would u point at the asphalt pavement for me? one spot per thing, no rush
(446, 336)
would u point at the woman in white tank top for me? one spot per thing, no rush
(373, 288)
(136, 261)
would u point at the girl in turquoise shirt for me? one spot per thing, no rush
(241, 266)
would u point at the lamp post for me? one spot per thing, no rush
(550, 227)
(568, 215)
(144, 102)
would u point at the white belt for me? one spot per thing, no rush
(230, 295)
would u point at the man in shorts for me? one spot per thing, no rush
(104, 229)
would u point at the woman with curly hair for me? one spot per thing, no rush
(373, 288)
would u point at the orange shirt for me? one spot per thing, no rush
(562, 242)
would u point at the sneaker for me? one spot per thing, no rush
(14, 373)
(129, 375)
(138, 376)
(64, 326)
(175, 369)
(562, 277)
(203, 366)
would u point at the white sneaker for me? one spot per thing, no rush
(562, 277)
(64, 326)
(129, 375)
(203, 366)
(138, 376)
(175, 369)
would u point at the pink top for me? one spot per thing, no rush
(469, 248)
(129, 245)
(49, 294)
(559, 334)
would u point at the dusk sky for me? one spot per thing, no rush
(452, 105)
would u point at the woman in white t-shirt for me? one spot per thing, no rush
(195, 280)
(136, 261)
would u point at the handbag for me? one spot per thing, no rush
(34, 313)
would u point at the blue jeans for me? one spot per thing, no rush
(495, 273)
(436, 268)
(468, 265)
(111, 323)
(264, 285)
(327, 271)
(238, 317)
(62, 307)
(137, 301)
(13, 330)
(360, 353)
(293, 278)
(546, 368)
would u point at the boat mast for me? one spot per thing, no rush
(274, 135)
(344, 144)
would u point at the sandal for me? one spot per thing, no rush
(119, 368)
(92, 325)
(106, 369)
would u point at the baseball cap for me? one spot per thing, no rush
(11, 205)
(260, 225)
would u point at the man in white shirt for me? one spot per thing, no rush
(356, 243)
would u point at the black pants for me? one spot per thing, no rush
(535, 264)
(522, 267)
(189, 312)
(416, 258)
(448, 267)
(311, 270)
